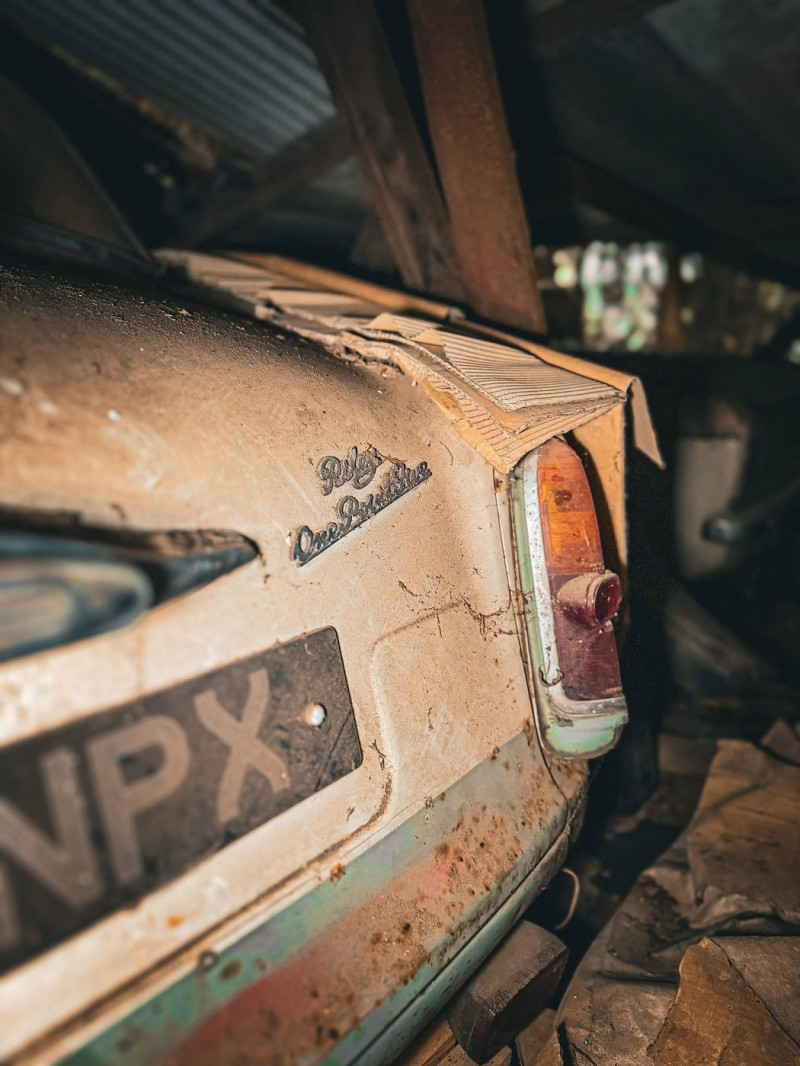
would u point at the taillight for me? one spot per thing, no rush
(570, 599)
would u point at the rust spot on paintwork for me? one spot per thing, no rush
(230, 970)
(529, 731)
(572, 768)
(381, 755)
(175, 920)
(427, 911)
(337, 873)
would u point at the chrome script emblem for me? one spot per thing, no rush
(351, 512)
(358, 467)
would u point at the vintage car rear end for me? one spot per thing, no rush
(276, 641)
(305, 638)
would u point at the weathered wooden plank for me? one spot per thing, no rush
(291, 168)
(475, 160)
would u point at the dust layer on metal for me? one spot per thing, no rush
(98, 813)
(372, 946)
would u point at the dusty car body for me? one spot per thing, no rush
(281, 814)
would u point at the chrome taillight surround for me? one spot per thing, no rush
(570, 728)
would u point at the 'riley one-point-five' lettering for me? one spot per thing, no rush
(352, 512)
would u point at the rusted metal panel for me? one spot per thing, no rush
(372, 936)
(475, 161)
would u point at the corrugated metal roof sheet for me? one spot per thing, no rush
(239, 68)
(696, 102)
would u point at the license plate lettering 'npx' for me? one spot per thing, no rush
(96, 814)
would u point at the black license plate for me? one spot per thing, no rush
(98, 813)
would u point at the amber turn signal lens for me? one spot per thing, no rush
(569, 523)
